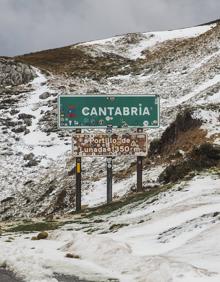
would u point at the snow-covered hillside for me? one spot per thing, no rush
(170, 232)
(131, 46)
(171, 236)
(181, 66)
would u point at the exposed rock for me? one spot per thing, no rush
(202, 157)
(208, 151)
(44, 95)
(183, 123)
(19, 129)
(42, 235)
(49, 217)
(27, 131)
(31, 160)
(25, 116)
(32, 163)
(69, 255)
(14, 112)
(28, 121)
(115, 227)
(7, 199)
(14, 73)
(10, 123)
(29, 157)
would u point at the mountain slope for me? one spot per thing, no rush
(170, 236)
(181, 66)
(170, 232)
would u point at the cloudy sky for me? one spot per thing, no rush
(32, 25)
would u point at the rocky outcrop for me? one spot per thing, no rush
(178, 133)
(202, 157)
(14, 73)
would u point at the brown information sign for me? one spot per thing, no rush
(105, 145)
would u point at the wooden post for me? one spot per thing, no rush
(109, 171)
(139, 169)
(78, 180)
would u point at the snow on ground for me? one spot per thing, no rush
(146, 41)
(204, 61)
(96, 195)
(173, 238)
(46, 148)
(162, 36)
(37, 141)
(180, 100)
(211, 121)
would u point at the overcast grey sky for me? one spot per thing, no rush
(32, 25)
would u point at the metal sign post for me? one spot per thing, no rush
(78, 180)
(109, 171)
(139, 168)
(108, 111)
(109, 180)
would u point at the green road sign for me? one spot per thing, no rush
(92, 111)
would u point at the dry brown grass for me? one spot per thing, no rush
(186, 141)
(76, 62)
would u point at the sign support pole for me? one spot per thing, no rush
(109, 172)
(139, 169)
(78, 180)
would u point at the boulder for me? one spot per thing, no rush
(32, 163)
(44, 95)
(28, 157)
(28, 121)
(42, 235)
(69, 255)
(25, 116)
(14, 73)
(19, 129)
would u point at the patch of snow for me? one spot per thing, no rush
(96, 195)
(148, 40)
(210, 118)
(50, 147)
(43, 258)
(215, 98)
(162, 36)
(180, 100)
(177, 240)
(204, 61)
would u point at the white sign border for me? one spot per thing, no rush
(72, 127)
